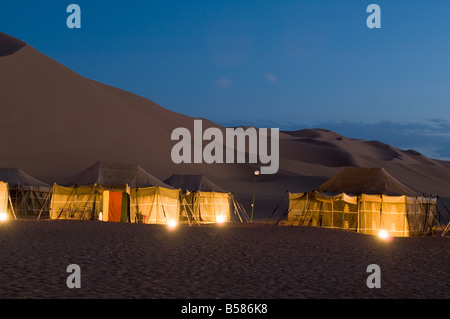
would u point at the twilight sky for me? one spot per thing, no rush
(286, 64)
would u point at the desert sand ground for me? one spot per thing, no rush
(231, 261)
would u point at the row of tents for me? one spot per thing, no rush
(364, 200)
(119, 193)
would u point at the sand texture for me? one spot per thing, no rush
(233, 261)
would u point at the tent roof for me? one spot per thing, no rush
(110, 173)
(194, 183)
(17, 177)
(353, 180)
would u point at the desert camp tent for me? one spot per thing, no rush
(202, 201)
(115, 192)
(6, 210)
(28, 194)
(3, 197)
(366, 200)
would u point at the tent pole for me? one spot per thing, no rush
(418, 219)
(128, 196)
(12, 208)
(437, 208)
(164, 211)
(435, 219)
(70, 195)
(302, 218)
(22, 197)
(288, 210)
(426, 217)
(435, 216)
(276, 207)
(308, 206)
(321, 213)
(332, 214)
(45, 202)
(237, 209)
(404, 219)
(136, 214)
(87, 203)
(358, 202)
(241, 210)
(15, 197)
(446, 209)
(414, 215)
(230, 207)
(190, 214)
(448, 225)
(446, 230)
(381, 209)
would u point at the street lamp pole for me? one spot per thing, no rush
(256, 173)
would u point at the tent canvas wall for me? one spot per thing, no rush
(76, 202)
(115, 192)
(366, 200)
(328, 211)
(28, 194)
(202, 200)
(155, 205)
(208, 207)
(4, 199)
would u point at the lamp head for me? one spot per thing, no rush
(3, 216)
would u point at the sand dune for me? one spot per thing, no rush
(58, 123)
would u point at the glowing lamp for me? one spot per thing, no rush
(256, 173)
(100, 216)
(172, 224)
(383, 234)
(3, 216)
(220, 219)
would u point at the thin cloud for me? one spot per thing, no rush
(223, 83)
(271, 78)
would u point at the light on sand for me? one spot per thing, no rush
(383, 234)
(220, 219)
(172, 224)
(3, 216)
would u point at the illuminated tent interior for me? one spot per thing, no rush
(365, 200)
(202, 201)
(115, 192)
(28, 194)
(6, 211)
